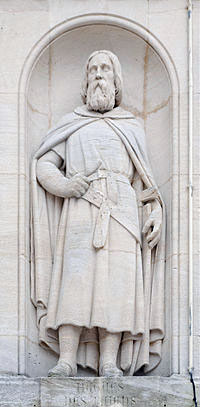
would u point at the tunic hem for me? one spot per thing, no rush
(137, 335)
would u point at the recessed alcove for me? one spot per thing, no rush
(54, 89)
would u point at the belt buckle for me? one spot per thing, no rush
(102, 174)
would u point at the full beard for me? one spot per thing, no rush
(100, 96)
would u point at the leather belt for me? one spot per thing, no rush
(104, 203)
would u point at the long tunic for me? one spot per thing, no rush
(98, 287)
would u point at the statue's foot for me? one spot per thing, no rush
(110, 370)
(63, 369)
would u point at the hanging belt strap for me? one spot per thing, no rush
(104, 203)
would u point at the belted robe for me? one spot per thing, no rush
(141, 345)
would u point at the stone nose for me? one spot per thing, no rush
(98, 73)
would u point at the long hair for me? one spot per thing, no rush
(117, 76)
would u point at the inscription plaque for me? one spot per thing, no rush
(95, 392)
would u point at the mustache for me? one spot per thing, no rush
(101, 83)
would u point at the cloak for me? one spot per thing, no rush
(46, 214)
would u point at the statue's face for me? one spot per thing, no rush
(101, 87)
(100, 69)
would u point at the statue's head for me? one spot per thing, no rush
(102, 84)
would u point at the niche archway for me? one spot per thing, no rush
(50, 87)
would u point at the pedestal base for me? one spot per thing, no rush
(136, 391)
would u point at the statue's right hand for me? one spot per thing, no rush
(76, 186)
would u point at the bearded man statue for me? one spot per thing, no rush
(98, 235)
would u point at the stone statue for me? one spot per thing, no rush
(98, 235)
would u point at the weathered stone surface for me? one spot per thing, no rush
(19, 391)
(106, 200)
(151, 38)
(137, 391)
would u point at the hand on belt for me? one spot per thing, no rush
(111, 178)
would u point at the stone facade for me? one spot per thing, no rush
(97, 392)
(43, 42)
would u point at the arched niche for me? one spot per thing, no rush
(52, 88)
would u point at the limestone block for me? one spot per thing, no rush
(61, 10)
(156, 136)
(183, 163)
(196, 13)
(196, 141)
(9, 353)
(19, 392)
(24, 6)
(162, 17)
(37, 358)
(38, 103)
(27, 26)
(8, 275)
(8, 133)
(97, 392)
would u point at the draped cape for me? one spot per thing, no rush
(46, 213)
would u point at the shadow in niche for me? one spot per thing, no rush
(54, 90)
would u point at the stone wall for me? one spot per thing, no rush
(97, 392)
(45, 43)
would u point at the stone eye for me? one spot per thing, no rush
(106, 68)
(93, 69)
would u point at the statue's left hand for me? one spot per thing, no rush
(152, 227)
